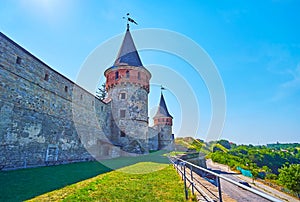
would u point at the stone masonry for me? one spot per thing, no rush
(46, 119)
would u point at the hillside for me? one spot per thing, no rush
(124, 185)
(197, 145)
(276, 164)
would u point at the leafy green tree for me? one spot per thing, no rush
(216, 148)
(225, 143)
(101, 93)
(271, 176)
(289, 176)
(254, 174)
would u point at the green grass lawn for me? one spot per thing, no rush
(24, 184)
(121, 185)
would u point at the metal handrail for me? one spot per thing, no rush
(198, 189)
(259, 193)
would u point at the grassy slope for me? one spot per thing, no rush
(24, 184)
(121, 185)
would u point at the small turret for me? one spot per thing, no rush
(163, 122)
(162, 116)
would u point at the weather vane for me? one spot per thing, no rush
(129, 20)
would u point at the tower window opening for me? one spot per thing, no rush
(93, 103)
(81, 97)
(18, 60)
(122, 113)
(139, 76)
(122, 133)
(123, 96)
(66, 89)
(117, 75)
(46, 77)
(127, 74)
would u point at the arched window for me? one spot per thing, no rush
(127, 74)
(139, 76)
(117, 75)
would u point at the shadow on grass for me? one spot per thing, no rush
(19, 185)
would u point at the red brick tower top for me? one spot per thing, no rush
(127, 66)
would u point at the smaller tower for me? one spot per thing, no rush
(163, 122)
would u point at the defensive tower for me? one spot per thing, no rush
(163, 122)
(127, 85)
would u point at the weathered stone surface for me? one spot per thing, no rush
(37, 112)
(47, 119)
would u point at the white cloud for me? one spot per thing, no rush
(290, 87)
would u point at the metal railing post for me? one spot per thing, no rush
(219, 188)
(185, 187)
(218, 176)
(192, 179)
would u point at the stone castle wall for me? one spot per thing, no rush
(44, 117)
(165, 137)
(153, 139)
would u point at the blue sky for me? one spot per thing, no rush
(254, 44)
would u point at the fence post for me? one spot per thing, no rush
(219, 188)
(185, 188)
(192, 179)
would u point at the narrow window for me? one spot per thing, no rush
(18, 60)
(127, 74)
(81, 97)
(46, 77)
(139, 76)
(122, 113)
(102, 108)
(66, 89)
(116, 75)
(122, 133)
(123, 96)
(93, 103)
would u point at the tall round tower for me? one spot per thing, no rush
(127, 85)
(163, 122)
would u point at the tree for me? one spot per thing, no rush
(225, 143)
(289, 176)
(254, 174)
(101, 93)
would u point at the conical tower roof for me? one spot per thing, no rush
(162, 109)
(128, 54)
